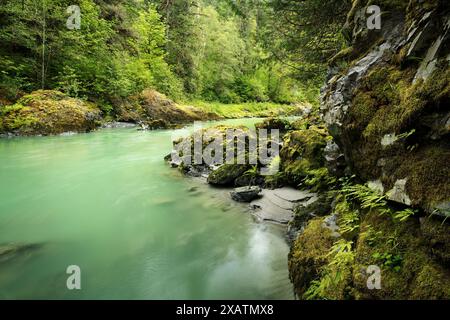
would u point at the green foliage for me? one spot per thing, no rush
(370, 235)
(319, 179)
(335, 275)
(368, 198)
(373, 201)
(348, 218)
(389, 260)
(118, 52)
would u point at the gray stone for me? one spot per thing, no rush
(330, 223)
(245, 194)
(398, 192)
(278, 205)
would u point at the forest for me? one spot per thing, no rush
(226, 51)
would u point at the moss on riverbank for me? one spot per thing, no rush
(47, 112)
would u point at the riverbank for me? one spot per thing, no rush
(47, 112)
(338, 225)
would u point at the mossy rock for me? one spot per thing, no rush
(302, 152)
(226, 174)
(319, 208)
(151, 105)
(388, 103)
(46, 112)
(405, 261)
(309, 255)
(437, 238)
(273, 123)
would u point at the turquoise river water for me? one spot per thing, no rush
(108, 203)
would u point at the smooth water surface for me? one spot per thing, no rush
(107, 202)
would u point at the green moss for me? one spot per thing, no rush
(273, 123)
(427, 173)
(437, 238)
(48, 112)
(226, 174)
(403, 240)
(309, 255)
(302, 152)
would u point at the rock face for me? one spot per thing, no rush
(388, 110)
(385, 103)
(245, 194)
(47, 112)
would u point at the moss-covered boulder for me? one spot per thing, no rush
(47, 112)
(409, 269)
(303, 153)
(226, 174)
(309, 255)
(274, 123)
(154, 110)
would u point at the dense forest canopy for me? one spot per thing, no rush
(215, 50)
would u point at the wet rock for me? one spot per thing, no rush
(318, 206)
(118, 124)
(278, 205)
(248, 180)
(273, 123)
(331, 223)
(153, 125)
(428, 65)
(245, 194)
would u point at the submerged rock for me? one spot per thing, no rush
(13, 250)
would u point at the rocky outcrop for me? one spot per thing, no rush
(153, 110)
(47, 112)
(387, 104)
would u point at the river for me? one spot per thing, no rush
(108, 203)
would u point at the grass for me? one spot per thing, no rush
(246, 110)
